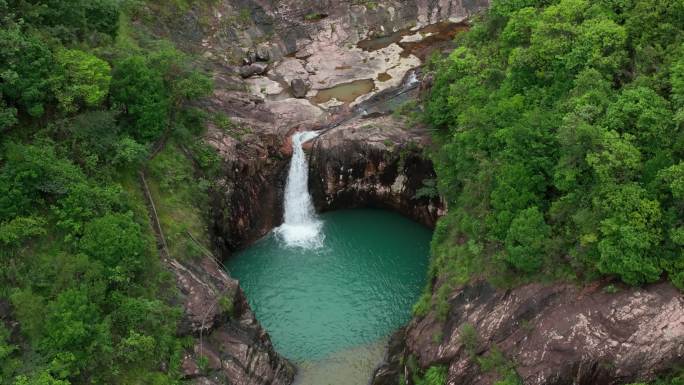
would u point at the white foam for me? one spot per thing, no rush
(412, 79)
(301, 226)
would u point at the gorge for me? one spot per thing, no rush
(330, 289)
(392, 192)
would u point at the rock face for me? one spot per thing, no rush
(374, 162)
(234, 346)
(552, 335)
(259, 52)
(230, 30)
(248, 201)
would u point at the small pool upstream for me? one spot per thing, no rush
(330, 308)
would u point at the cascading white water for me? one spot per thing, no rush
(301, 227)
(412, 79)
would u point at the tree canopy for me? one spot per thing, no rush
(560, 143)
(79, 113)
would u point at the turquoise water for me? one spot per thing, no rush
(348, 294)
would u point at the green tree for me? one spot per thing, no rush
(644, 114)
(630, 234)
(618, 160)
(34, 175)
(516, 188)
(26, 65)
(80, 79)
(18, 229)
(41, 378)
(119, 244)
(677, 81)
(673, 260)
(143, 97)
(76, 336)
(518, 30)
(84, 203)
(601, 45)
(71, 20)
(8, 115)
(526, 240)
(153, 91)
(9, 363)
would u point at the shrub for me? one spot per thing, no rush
(526, 240)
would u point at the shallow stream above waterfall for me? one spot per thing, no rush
(420, 42)
(346, 92)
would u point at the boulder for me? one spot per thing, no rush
(388, 372)
(253, 69)
(299, 88)
(263, 53)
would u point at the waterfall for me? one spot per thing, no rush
(301, 227)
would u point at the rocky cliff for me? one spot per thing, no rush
(230, 347)
(298, 56)
(546, 335)
(375, 163)
(270, 59)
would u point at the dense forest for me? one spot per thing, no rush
(85, 103)
(560, 145)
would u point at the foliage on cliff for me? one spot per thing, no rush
(559, 127)
(83, 103)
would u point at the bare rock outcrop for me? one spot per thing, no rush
(230, 345)
(269, 58)
(230, 30)
(551, 335)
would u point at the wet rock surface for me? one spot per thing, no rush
(552, 335)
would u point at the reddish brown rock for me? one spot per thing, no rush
(555, 334)
(229, 342)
